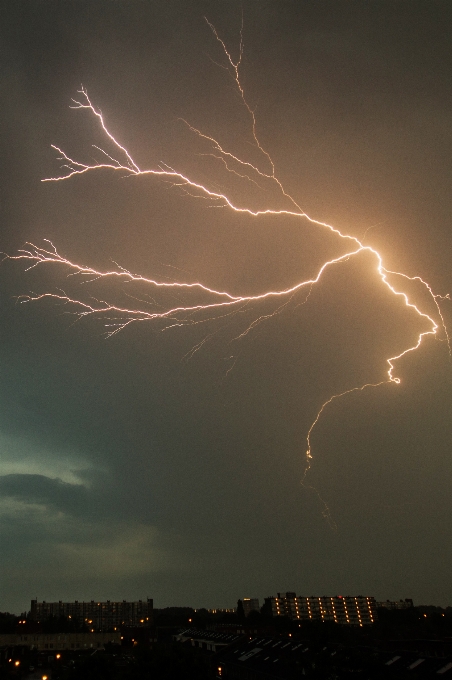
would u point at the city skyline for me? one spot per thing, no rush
(279, 604)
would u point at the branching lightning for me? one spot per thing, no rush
(220, 304)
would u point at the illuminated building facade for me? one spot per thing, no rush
(357, 611)
(97, 615)
(250, 604)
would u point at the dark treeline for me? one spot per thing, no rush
(63, 624)
(415, 622)
(8, 622)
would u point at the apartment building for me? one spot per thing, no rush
(97, 615)
(346, 610)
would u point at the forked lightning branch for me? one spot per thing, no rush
(220, 302)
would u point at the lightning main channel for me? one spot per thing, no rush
(219, 303)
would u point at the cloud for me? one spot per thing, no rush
(43, 490)
(21, 455)
(123, 550)
(52, 549)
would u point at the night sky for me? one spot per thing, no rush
(131, 467)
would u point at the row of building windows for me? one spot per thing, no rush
(346, 610)
(99, 614)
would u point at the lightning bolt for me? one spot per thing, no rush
(213, 304)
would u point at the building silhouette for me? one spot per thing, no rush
(397, 604)
(250, 604)
(96, 615)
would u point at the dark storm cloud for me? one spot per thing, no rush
(42, 490)
(135, 471)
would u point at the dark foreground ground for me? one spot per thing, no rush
(413, 644)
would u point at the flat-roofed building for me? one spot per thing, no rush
(347, 610)
(250, 604)
(96, 615)
(397, 604)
